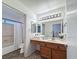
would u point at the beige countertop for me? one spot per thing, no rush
(58, 41)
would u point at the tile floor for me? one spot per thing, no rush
(17, 55)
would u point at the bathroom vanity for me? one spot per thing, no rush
(51, 49)
(43, 32)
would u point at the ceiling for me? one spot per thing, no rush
(39, 6)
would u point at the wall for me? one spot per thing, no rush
(60, 9)
(28, 49)
(71, 19)
(72, 35)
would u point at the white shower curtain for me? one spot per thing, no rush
(18, 34)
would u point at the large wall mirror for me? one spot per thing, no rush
(50, 29)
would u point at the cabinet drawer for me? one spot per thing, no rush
(35, 42)
(42, 44)
(52, 46)
(57, 46)
(61, 47)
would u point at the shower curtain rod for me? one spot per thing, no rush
(12, 20)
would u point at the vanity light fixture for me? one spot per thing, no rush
(51, 16)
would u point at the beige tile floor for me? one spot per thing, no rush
(17, 55)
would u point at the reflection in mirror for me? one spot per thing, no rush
(57, 29)
(43, 29)
(48, 30)
(52, 29)
(38, 28)
(33, 28)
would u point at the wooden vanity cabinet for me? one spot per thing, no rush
(51, 50)
(45, 52)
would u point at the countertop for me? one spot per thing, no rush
(58, 41)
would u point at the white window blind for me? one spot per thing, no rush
(7, 34)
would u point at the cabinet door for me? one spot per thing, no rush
(45, 52)
(58, 54)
